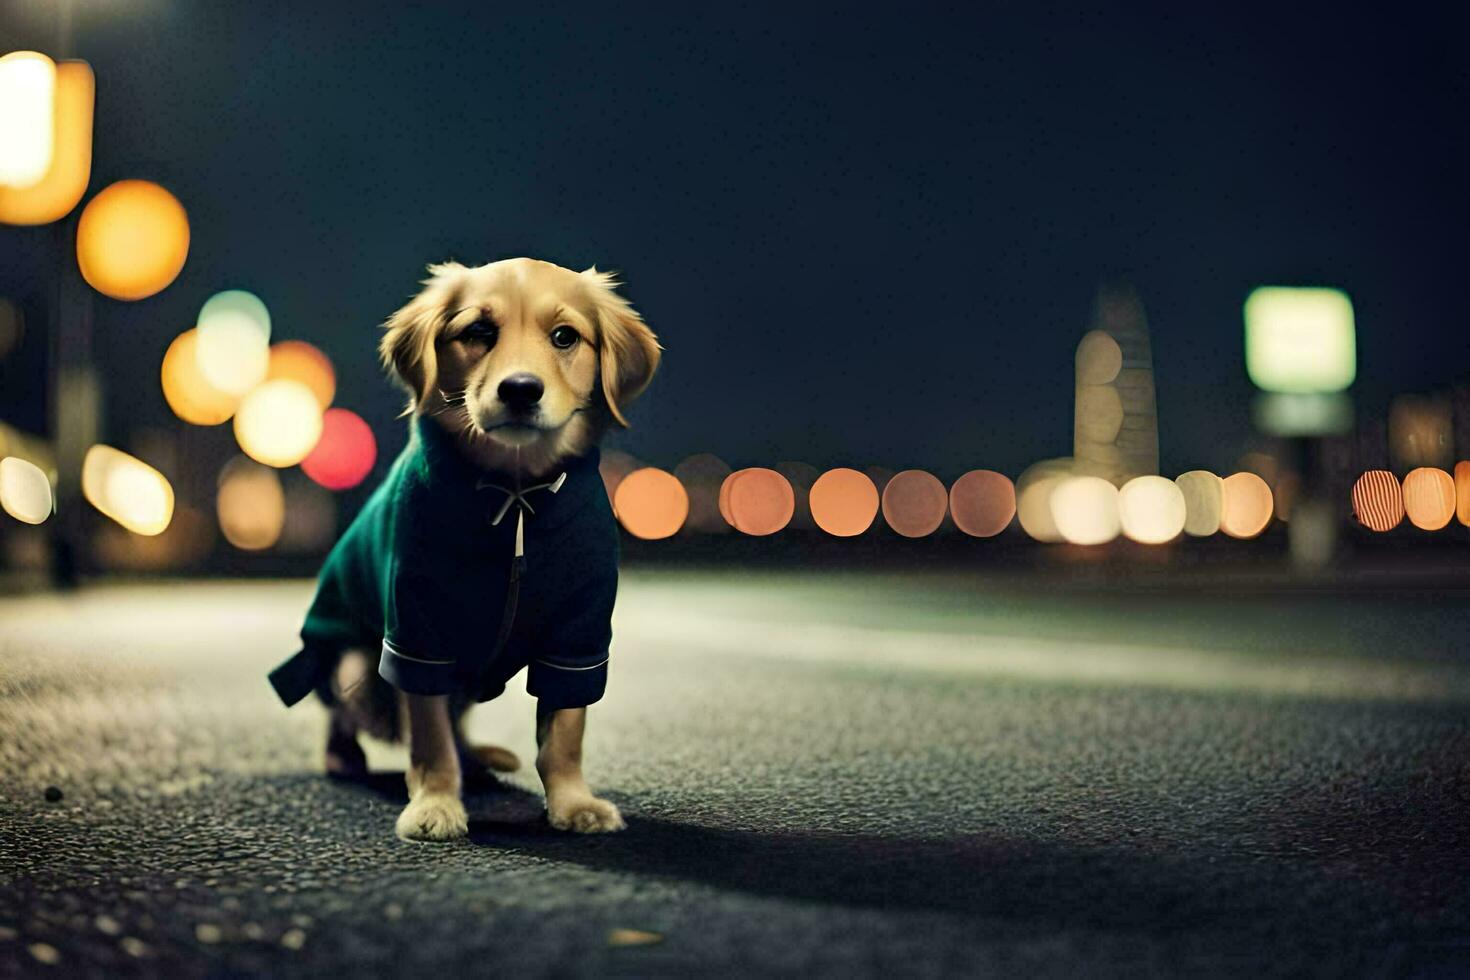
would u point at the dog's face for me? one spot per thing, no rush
(527, 361)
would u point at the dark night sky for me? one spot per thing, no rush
(863, 238)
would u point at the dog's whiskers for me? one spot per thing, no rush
(451, 399)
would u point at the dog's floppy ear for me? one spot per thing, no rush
(628, 351)
(407, 347)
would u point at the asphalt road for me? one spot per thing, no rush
(846, 774)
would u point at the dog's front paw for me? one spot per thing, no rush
(433, 817)
(584, 815)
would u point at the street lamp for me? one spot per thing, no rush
(1301, 351)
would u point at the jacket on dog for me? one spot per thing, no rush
(431, 568)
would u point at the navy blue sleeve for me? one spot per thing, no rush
(420, 641)
(557, 684)
(417, 657)
(568, 668)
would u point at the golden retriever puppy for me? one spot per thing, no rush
(490, 547)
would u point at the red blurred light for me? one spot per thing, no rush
(345, 454)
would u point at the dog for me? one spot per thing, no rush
(490, 547)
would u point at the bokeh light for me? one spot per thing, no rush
(1299, 414)
(703, 475)
(758, 501)
(1085, 510)
(1204, 499)
(185, 388)
(651, 503)
(614, 466)
(250, 504)
(234, 343)
(132, 240)
(844, 502)
(1429, 498)
(982, 503)
(1300, 339)
(27, 117)
(345, 453)
(914, 503)
(1033, 497)
(25, 491)
(1152, 509)
(279, 423)
(1462, 492)
(55, 194)
(1246, 505)
(722, 500)
(127, 490)
(296, 360)
(1378, 500)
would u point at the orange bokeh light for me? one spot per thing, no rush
(1246, 505)
(982, 503)
(1429, 498)
(297, 360)
(185, 388)
(71, 163)
(651, 503)
(344, 455)
(132, 240)
(757, 501)
(1378, 500)
(844, 502)
(614, 466)
(1462, 491)
(914, 503)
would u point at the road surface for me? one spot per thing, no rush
(845, 774)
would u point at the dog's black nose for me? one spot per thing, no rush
(520, 391)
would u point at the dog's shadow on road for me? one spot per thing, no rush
(977, 874)
(1009, 878)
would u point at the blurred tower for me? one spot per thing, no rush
(1116, 429)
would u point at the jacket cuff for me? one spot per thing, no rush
(413, 674)
(298, 676)
(559, 686)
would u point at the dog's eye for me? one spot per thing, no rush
(564, 336)
(482, 331)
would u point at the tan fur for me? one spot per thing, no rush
(455, 379)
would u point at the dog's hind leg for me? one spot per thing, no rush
(345, 758)
(350, 713)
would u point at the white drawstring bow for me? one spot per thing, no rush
(518, 496)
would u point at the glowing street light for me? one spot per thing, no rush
(27, 117)
(651, 503)
(1301, 351)
(25, 491)
(53, 196)
(345, 454)
(1300, 340)
(127, 490)
(234, 341)
(132, 240)
(1152, 508)
(279, 423)
(185, 388)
